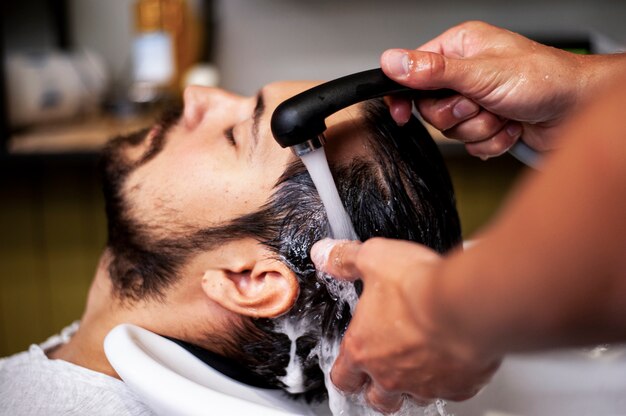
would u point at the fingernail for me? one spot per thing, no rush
(514, 129)
(397, 62)
(464, 108)
(320, 252)
(399, 117)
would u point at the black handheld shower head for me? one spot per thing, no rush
(299, 121)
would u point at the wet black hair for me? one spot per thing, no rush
(401, 190)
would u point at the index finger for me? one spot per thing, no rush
(337, 258)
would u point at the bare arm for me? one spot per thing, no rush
(509, 86)
(551, 271)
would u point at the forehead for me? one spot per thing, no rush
(346, 136)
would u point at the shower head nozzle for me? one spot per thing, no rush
(308, 146)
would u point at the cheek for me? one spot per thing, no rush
(199, 192)
(203, 186)
(168, 188)
(223, 194)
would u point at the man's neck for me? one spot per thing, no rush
(103, 312)
(184, 314)
(85, 349)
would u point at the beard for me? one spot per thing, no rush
(135, 253)
(116, 165)
(143, 263)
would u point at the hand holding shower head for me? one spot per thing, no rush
(299, 121)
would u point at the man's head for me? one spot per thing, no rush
(209, 217)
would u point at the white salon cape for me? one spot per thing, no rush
(33, 384)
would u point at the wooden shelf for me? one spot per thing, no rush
(84, 136)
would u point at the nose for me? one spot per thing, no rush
(201, 101)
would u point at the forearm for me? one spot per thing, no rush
(600, 72)
(551, 271)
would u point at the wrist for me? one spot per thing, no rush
(445, 321)
(600, 72)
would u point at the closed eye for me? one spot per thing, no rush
(230, 136)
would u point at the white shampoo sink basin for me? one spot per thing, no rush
(560, 383)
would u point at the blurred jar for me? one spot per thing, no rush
(51, 86)
(167, 43)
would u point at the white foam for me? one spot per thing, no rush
(349, 405)
(294, 379)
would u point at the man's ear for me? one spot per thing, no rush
(248, 281)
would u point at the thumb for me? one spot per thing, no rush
(337, 258)
(427, 70)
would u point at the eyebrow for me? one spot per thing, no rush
(259, 110)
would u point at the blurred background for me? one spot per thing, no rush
(76, 72)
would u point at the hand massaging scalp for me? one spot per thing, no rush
(298, 123)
